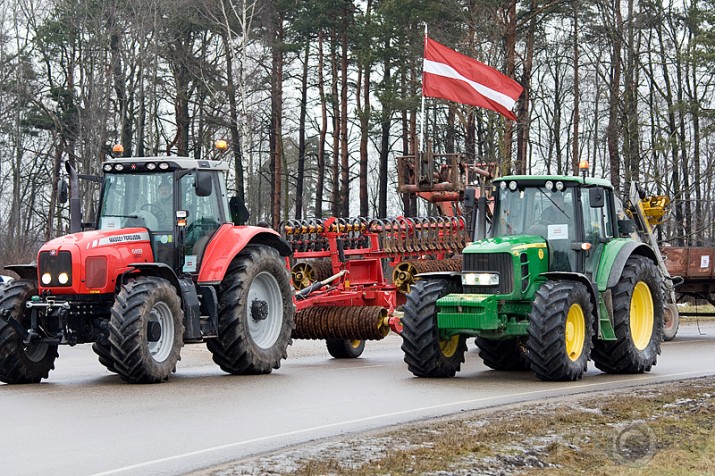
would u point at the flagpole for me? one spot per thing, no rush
(421, 144)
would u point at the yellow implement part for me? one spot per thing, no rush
(654, 208)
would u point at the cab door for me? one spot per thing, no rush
(597, 225)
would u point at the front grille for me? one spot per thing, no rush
(491, 262)
(53, 264)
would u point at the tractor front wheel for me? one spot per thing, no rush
(345, 349)
(20, 362)
(427, 354)
(510, 354)
(637, 320)
(560, 329)
(255, 313)
(146, 331)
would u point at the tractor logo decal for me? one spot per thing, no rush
(129, 237)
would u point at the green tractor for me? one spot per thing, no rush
(566, 275)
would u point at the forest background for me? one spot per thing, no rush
(317, 98)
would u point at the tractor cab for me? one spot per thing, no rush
(573, 216)
(181, 202)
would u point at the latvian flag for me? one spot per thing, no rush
(449, 75)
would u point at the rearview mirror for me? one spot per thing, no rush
(596, 197)
(62, 191)
(239, 212)
(203, 184)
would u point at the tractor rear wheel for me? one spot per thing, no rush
(508, 354)
(255, 313)
(637, 320)
(21, 363)
(146, 330)
(345, 349)
(427, 354)
(560, 329)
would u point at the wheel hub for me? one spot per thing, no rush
(153, 332)
(259, 310)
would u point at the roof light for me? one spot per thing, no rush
(163, 166)
(107, 167)
(549, 185)
(119, 167)
(559, 186)
(150, 166)
(512, 185)
(221, 145)
(583, 165)
(117, 149)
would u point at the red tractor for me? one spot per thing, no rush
(160, 268)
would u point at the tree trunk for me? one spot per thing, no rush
(301, 135)
(276, 136)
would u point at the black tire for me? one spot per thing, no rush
(560, 331)
(636, 349)
(345, 349)
(146, 330)
(104, 355)
(508, 354)
(426, 354)
(671, 321)
(20, 363)
(255, 313)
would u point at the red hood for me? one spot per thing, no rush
(97, 238)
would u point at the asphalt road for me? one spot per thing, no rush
(85, 420)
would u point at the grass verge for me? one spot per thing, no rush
(666, 429)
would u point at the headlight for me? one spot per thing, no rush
(63, 278)
(46, 278)
(480, 279)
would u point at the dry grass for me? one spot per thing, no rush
(668, 430)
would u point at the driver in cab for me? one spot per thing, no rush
(164, 205)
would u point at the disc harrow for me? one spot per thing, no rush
(305, 273)
(340, 273)
(341, 322)
(397, 235)
(403, 276)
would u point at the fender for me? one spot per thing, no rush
(583, 279)
(160, 270)
(25, 271)
(613, 260)
(229, 241)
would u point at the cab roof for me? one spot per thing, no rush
(540, 179)
(139, 164)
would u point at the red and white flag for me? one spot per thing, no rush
(450, 75)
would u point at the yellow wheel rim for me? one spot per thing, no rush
(355, 343)
(575, 332)
(642, 316)
(449, 346)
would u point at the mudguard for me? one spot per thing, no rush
(614, 257)
(229, 241)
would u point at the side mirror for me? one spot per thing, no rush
(626, 227)
(596, 197)
(203, 184)
(62, 191)
(239, 212)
